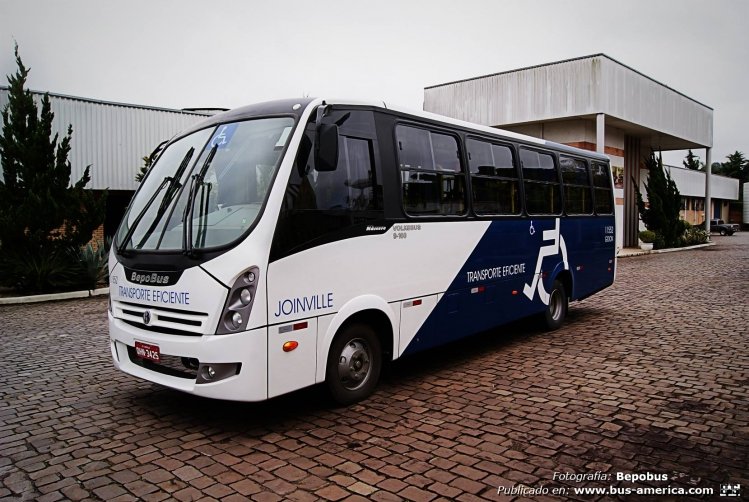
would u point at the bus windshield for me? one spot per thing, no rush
(191, 201)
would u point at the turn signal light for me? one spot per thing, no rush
(289, 346)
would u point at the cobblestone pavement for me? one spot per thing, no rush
(650, 376)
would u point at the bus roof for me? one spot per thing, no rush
(298, 106)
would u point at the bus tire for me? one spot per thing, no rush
(354, 364)
(556, 310)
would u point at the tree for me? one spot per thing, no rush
(42, 216)
(691, 161)
(661, 214)
(737, 166)
(147, 161)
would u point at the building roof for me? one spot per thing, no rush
(111, 137)
(600, 54)
(574, 88)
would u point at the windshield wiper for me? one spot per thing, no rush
(197, 181)
(173, 186)
(205, 195)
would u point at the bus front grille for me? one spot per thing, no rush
(161, 320)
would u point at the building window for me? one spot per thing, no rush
(494, 178)
(432, 178)
(578, 198)
(541, 183)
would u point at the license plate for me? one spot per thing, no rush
(148, 351)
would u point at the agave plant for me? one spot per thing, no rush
(93, 261)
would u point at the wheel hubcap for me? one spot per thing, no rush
(354, 364)
(555, 305)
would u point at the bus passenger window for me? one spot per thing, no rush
(494, 178)
(432, 179)
(541, 183)
(577, 194)
(602, 184)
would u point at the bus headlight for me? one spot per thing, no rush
(239, 302)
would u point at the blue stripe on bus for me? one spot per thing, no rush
(490, 289)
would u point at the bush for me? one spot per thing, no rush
(647, 236)
(39, 270)
(659, 242)
(694, 236)
(51, 269)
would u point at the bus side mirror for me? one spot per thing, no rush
(327, 147)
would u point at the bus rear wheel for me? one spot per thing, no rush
(354, 364)
(556, 310)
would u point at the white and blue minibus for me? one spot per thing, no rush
(296, 242)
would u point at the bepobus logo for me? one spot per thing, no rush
(152, 278)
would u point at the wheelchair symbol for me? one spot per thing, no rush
(220, 139)
(557, 246)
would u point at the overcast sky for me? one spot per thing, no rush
(186, 53)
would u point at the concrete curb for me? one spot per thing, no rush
(632, 252)
(53, 296)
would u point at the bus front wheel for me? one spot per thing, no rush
(556, 310)
(354, 364)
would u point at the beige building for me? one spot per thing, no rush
(595, 103)
(692, 188)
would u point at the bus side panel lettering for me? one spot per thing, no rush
(298, 305)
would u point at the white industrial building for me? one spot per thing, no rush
(595, 103)
(112, 138)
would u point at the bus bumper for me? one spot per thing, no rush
(238, 361)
